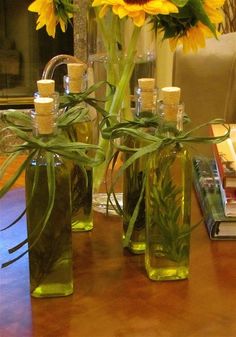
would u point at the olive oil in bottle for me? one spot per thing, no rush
(146, 96)
(85, 132)
(48, 199)
(168, 198)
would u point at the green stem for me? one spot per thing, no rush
(99, 172)
(126, 74)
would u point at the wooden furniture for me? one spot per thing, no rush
(112, 295)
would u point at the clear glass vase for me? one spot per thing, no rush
(108, 46)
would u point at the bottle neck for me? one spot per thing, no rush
(171, 116)
(74, 86)
(44, 124)
(55, 96)
(145, 102)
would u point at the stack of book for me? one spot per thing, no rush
(215, 185)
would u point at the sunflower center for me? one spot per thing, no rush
(136, 2)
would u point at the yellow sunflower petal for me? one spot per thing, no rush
(51, 26)
(36, 6)
(214, 3)
(120, 11)
(62, 25)
(215, 15)
(173, 44)
(139, 20)
(39, 25)
(138, 10)
(96, 3)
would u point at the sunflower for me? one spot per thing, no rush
(191, 26)
(194, 38)
(52, 12)
(136, 9)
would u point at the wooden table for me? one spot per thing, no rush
(112, 295)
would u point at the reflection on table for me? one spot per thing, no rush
(112, 295)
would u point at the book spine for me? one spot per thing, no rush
(207, 186)
(219, 164)
(201, 195)
(228, 196)
(225, 157)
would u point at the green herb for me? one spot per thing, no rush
(165, 195)
(50, 248)
(57, 145)
(153, 143)
(69, 101)
(81, 199)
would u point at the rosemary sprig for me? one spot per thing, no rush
(32, 146)
(153, 143)
(166, 198)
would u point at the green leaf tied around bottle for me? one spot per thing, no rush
(34, 148)
(150, 144)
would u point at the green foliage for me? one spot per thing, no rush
(199, 12)
(50, 243)
(165, 197)
(180, 3)
(64, 9)
(177, 24)
(153, 142)
(70, 101)
(81, 154)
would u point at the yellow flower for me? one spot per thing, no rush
(49, 15)
(213, 10)
(194, 36)
(136, 9)
(192, 39)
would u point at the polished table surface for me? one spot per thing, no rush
(112, 295)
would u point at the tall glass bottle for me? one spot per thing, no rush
(133, 176)
(85, 132)
(168, 199)
(50, 242)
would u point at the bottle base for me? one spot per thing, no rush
(82, 226)
(53, 290)
(168, 274)
(137, 247)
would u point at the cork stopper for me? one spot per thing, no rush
(171, 100)
(75, 73)
(46, 88)
(147, 86)
(146, 83)
(44, 116)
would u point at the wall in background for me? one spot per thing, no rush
(25, 51)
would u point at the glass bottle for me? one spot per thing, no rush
(145, 106)
(50, 242)
(168, 199)
(85, 132)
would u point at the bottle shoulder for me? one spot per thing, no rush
(40, 159)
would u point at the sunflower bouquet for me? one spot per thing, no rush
(182, 22)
